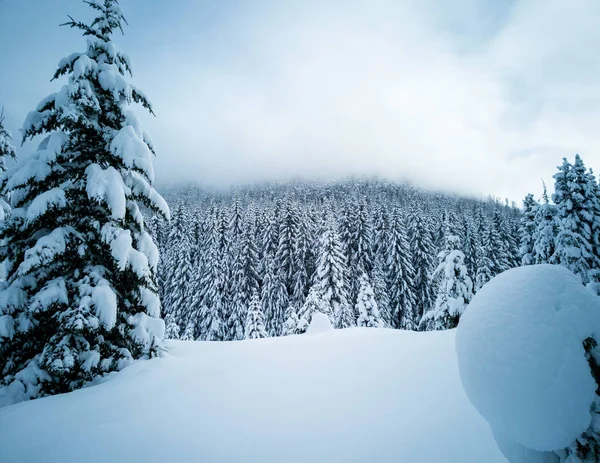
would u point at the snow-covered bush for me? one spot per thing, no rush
(527, 356)
(320, 323)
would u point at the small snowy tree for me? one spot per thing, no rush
(82, 295)
(366, 306)
(455, 290)
(255, 324)
(290, 326)
(172, 328)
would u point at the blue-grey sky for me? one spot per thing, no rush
(477, 96)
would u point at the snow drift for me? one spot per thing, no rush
(355, 395)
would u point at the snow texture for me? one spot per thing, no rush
(321, 399)
(521, 357)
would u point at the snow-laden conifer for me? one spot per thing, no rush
(577, 210)
(366, 306)
(527, 230)
(171, 327)
(421, 253)
(255, 324)
(290, 326)
(400, 276)
(455, 289)
(331, 277)
(81, 298)
(274, 297)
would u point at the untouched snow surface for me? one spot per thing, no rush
(521, 356)
(355, 395)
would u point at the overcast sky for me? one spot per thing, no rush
(476, 96)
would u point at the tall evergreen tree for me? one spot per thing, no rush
(82, 296)
(546, 229)
(577, 207)
(274, 298)
(421, 251)
(400, 277)
(330, 277)
(527, 230)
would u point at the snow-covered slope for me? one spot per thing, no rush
(356, 395)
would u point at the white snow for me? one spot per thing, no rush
(105, 302)
(45, 250)
(521, 359)
(349, 396)
(319, 323)
(107, 185)
(44, 201)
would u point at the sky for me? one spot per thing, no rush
(480, 97)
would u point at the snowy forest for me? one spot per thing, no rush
(101, 268)
(365, 252)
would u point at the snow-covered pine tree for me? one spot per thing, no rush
(303, 254)
(330, 277)
(190, 329)
(7, 150)
(484, 267)
(82, 295)
(421, 251)
(546, 229)
(290, 326)
(380, 289)
(577, 207)
(180, 267)
(359, 248)
(285, 255)
(172, 328)
(498, 247)
(381, 225)
(454, 291)
(400, 277)
(527, 230)
(244, 281)
(366, 306)
(255, 325)
(470, 247)
(274, 297)
(212, 313)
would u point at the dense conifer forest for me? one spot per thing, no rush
(305, 247)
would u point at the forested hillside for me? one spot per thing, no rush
(366, 253)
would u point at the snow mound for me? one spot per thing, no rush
(521, 358)
(319, 323)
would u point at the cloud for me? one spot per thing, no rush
(472, 96)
